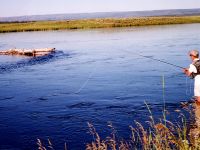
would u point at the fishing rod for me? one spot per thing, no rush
(161, 61)
(156, 59)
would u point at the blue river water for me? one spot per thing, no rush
(95, 76)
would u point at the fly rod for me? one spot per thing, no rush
(161, 61)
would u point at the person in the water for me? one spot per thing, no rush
(194, 72)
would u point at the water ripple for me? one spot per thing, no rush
(32, 61)
(82, 105)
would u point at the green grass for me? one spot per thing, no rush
(95, 23)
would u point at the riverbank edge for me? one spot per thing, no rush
(95, 23)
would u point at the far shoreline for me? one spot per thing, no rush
(6, 27)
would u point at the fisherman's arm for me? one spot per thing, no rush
(187, 72)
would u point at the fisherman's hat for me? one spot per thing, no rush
(194, 53)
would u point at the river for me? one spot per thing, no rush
(95, 76)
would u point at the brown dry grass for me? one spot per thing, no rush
(161, 135)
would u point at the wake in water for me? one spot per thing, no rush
(33, 61)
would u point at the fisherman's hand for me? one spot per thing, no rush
(185, 70)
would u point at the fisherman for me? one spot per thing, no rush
(194, 72)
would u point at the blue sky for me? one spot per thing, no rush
(37, 7)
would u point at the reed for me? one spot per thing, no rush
(162, 135)
(95, 23)
(156, 135)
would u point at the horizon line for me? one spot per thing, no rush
(72, 13)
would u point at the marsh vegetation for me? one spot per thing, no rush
(95, 23)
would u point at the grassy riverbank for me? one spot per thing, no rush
(95, 23)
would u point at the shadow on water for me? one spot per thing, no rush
(33, 61)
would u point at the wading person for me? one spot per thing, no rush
(194, 72)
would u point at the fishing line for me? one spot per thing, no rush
(190, 86)
(186, 86)
(85, 82)
(92, 72)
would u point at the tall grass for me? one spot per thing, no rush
(156, 135)
(95, 23)
(162, 135)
